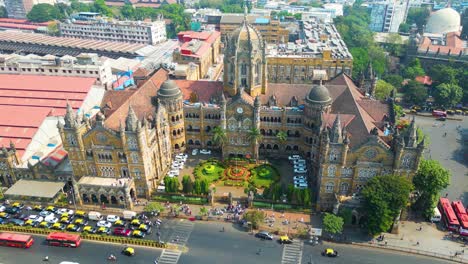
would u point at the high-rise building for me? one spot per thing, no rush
(386, 16)
(20, 8)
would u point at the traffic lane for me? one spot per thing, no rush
(87, 253)
(353, 254)
(208, 244)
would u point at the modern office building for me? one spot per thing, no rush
(151, 33)
(386, 16)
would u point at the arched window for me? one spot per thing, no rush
(71, 139)
(344, 187)
(331, 171)
(137, 173)
(329, 187)
(135, 158)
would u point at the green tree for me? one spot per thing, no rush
(383, 90)
(205, 186)
(346, 214)
(197, 188)
(255, 217)
(394, 79)
(398, 111)
(219, 136)
(384, 197)
(43, 13)
(306, 197)
(430, 179)
(255, 136)
(99, 6)
(415, 92)
(3, 12)
(52, 29)
(187, 184)
(414, 70)
(332, 224)
(418, 16)
(128, 11)
(448, 94)
(153, 207)
(464, 33)
(404, 28)
(282, 137)
(441, 73)
(360, 60)
(203, 211)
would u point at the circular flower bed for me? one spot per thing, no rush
(237, 173)
(209, 169)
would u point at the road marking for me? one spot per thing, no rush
(181, 233)
(292, 253)
(169, 256)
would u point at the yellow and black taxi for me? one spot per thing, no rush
(31, 222)
(51, 208)
(44, 224)
(89, 229)
(18, 205)
(65, 220)
(80, 221)
(38, 207)
(450, 112)
(58, 226)
(134, 224)
(284, 240)
(330, 252)
(120, 223)
(103, 230)
(138, 234)
(145, 228)
(5, 215)
(80, 213)
(129, 251)
(73, 228)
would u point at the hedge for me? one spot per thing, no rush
(178, 198)
(105, 238)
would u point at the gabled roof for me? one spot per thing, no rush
(203, 89)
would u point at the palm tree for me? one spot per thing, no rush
(255, 136)
(219, 136)
(282, 137)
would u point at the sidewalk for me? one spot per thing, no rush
(432, 242)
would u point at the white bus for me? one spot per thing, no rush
(436, 217)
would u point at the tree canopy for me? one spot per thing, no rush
(430, 179)
(44, 13)
(418, 16)
(383, 90)
(415, 92)
(413, 70)
(332, 224)
(448, 94)
(384, 197)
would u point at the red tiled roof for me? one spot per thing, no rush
(454, 45)
(115, 103)
(26, 100)
(23, 21)
(204, 89)
(426, 80)
(18, 26)
(208, 36)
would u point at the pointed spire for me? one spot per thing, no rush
(12, 146)
(257, 101)
(246, 10)
(70, 118)
(370, 71)
(223, 98)
(131, 121)
(336, 136)
(412, 133)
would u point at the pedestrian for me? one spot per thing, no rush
(446, 194)
(417, 243)
(385, 242)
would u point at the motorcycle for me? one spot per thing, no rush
(112, 258)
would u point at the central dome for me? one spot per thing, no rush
(319, 94)
(247, 37)
(443, 21)
(169, 89)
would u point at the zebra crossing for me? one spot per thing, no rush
(181, 232)
(169, 256)
(292, 253)
(179, 236)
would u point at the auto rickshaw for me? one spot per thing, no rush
(128, 251)
(329, 252)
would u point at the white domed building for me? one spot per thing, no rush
(443, 21)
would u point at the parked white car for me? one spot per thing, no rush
(182, 156)
(36, 218)
(65, 210)
(173, 173)
(45, 213)
(103, 223)
(300, 181)
(300, 185)
(299, 161)
(294, 157)
(194, 152)
(51, 219)
(300, 170)
(297, 177)
(112, 218)
(300, 166)
(205, 151)
(2, 208)
(175, 166)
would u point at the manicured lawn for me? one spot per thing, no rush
(210, 170)
(264, 175)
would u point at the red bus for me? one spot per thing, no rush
(60, 239)
(462, 217)
(16, 240)
(439, 113)
(448, 215)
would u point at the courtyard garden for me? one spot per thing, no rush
(263, 176)
(212, 170)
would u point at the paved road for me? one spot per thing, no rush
(207, 244)
(448, 150)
